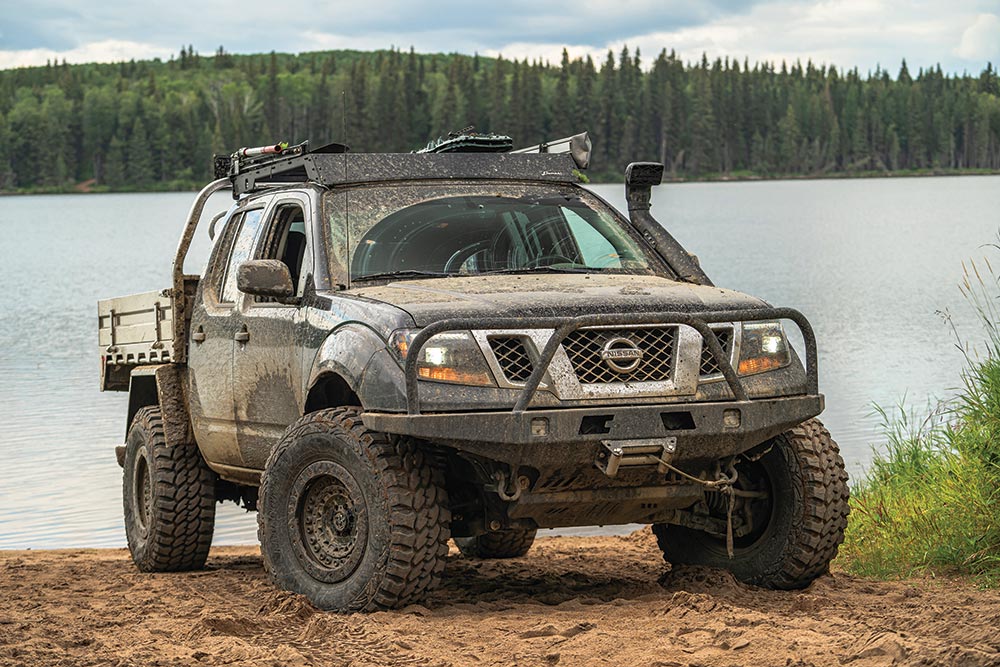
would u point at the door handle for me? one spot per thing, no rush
(199, 335)
(242, 335)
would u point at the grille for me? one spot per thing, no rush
(708, 364)
(584, 347)
(513, 358)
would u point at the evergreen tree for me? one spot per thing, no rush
(115, 168)
(791, 140)
(6, 170)
(701, 157)
(562, 108)
(139, 156)
(585, 113)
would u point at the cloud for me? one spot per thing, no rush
(845, 33)
(260, 25)
(109, 50)
(960, 34)
(981, 40)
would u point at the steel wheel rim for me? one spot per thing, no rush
(142, 486)
(328, 521)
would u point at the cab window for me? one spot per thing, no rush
(246, 233)
(286, 241)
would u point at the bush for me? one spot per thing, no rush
(930, 502)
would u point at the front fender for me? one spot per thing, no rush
(346, 352)
(383, 387)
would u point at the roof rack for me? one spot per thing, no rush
(464, 155)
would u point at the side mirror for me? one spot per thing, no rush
(265, 277)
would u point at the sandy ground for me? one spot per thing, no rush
(571, 601)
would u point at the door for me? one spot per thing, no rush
(214, 324)
(268, 354)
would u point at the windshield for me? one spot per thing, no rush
(442, 229)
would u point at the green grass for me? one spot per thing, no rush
(930, 502)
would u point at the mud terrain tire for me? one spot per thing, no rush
(169, 499)
(806, 522)
(512, 543)
(353, 519)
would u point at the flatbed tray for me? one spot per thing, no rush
(136, 329)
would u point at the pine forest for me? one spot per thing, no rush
(151, 125)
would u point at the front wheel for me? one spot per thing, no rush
(797, 509)
(353, 519)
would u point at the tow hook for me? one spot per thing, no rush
(520, 485)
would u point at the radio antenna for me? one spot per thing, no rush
(347, 214)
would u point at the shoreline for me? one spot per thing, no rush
(88, 188)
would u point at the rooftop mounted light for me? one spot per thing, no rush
(578, 146)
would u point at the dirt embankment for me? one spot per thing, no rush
(572, 601)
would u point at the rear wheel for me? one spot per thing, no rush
(511, 543)
(353, 519)
(798, 514)
(169, 499)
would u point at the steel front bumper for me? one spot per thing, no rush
(543, 438)
(685, 432)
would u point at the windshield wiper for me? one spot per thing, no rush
(408, 273)
(546, 269)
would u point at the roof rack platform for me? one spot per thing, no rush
(332, 169)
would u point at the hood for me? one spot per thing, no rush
(549, 295)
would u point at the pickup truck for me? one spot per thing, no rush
(388, 351)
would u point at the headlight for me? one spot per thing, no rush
(452, 356)
(763, 348)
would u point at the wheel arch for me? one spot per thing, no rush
(338, 369)
(330, 390)
(161, 385)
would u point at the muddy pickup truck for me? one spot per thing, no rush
(388, 351)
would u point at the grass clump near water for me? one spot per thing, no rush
(930, 503)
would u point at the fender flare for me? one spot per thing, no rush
(346, 352)
(162, 385)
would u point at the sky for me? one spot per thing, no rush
(960, 35)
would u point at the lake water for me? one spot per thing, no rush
(872, 263)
